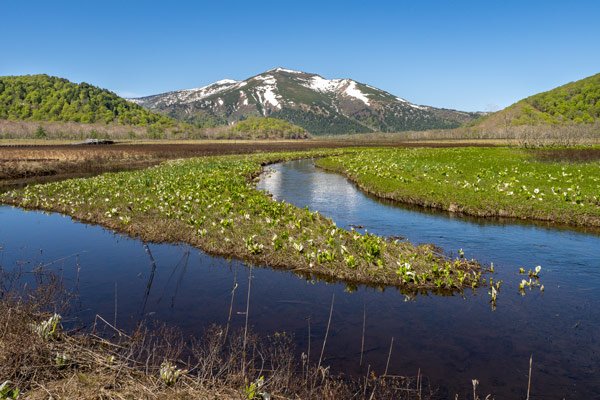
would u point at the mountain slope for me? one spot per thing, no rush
(319, 105)
(574, 103)
(267, 128)
(48, 98)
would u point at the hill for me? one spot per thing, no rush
(319, 105)
(48, 98)
(576, 103)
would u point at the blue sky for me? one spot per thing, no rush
(468, 55)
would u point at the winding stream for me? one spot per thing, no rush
(450, 339)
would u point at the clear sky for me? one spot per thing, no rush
(468, 55)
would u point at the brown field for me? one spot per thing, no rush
(568, 154)
(23, 162)
(525, 136)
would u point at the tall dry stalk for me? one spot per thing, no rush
(362, 342)
(529, 380)
(326, 332)
(246, 323)
(387, 364)
(235, 286)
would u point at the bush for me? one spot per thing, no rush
(40, 133)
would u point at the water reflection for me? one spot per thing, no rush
(450, 339)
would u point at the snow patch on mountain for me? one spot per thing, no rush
(268, 79)
(289, 71)
(224, 82)
(187, 96)
(271, 98)
(266, 92)
(243, 98)
(353, 91)
(323, 85)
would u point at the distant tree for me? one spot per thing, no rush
(40, 133)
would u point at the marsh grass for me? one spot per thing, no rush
(556, 185)
(212, 203)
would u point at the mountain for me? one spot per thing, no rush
(319, 105)
(267, 128)
(576, 103)
(48, 98)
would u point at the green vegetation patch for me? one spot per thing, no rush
(576, 102)
(505, 182)
(212, 203)
(48, 98)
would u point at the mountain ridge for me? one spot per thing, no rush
(319, 105)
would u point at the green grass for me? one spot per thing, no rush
(506, 182)
(212, 203)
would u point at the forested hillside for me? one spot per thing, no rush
(269, 128)
(574, 104)
(577, 102)
(48, 98)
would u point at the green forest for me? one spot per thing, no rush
(263, 128)
(575, 102)
(48, 98)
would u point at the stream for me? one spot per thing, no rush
(451, 340)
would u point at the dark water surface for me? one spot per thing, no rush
(451, 339)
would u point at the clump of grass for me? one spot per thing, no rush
(533, 282)
(212, 203)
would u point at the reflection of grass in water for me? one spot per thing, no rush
(148, 362)
(502, 182)
(212, 203)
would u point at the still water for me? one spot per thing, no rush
(450, 339)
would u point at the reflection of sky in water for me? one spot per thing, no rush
(452, 340)
(303, 188)
(550, 325)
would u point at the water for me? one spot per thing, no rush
(451, 339)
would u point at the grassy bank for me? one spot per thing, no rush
(211, 203)
(556, 185)
(41, 359)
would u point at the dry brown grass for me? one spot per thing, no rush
(55, 130)
(105, 363)
(68, 130)
(570, 155)
(481, 135)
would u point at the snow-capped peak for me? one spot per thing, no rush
(289, 71)
(224, 82)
